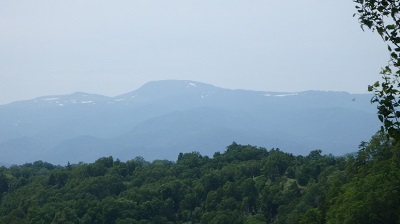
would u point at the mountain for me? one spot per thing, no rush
(163, 118)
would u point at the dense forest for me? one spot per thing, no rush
(244, 184)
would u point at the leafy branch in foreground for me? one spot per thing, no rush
(383, 16)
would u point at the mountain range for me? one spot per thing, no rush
(163, 118)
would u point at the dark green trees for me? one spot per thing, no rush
(4, 184)
(372, 194)
(244, 184)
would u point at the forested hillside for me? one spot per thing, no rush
(244, 184)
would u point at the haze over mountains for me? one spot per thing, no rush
(163, 118)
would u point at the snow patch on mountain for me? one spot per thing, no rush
(87, 102)
(281, 95)
(50, 99)
(192, 84)
(288, 94)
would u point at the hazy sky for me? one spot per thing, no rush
(50, 47)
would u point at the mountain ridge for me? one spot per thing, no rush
(154, 85)
(163, 118)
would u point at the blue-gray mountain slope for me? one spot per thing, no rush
(163, 118)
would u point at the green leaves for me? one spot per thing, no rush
(382, 16)
(391, 27)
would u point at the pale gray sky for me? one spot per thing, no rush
(50, 47)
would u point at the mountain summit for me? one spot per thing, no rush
(162, 118)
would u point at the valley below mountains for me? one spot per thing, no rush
(163, 118)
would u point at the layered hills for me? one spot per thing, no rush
(163, 118)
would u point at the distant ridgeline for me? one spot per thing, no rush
(244, 184)
(163, 118)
